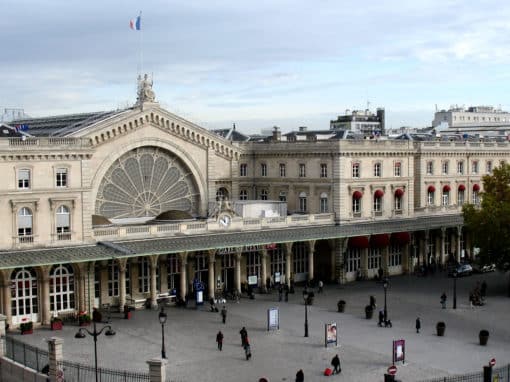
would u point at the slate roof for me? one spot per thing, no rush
(63, 125)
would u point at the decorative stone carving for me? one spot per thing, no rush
(145, 92)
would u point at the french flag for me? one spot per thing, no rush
(136, 24)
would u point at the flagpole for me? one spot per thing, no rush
(141, 44)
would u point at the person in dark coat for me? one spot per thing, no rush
(96, 315)
(418, 324)
(300, 376)
(381, 318)
(224, 314)
(443, 300)
(286, 293)
(483, 290)
(335, 362)
(372, 302)
(219, 340)
(247, 348)
(244, 335)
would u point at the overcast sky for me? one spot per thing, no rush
(257, 63)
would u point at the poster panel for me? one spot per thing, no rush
(273, 319)
(399, 350)
(330, 334)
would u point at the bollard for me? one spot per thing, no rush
(389, 378)
(487, 374)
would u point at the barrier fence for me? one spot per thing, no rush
(37, 359)
(499, 374)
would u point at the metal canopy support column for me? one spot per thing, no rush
(264, 255)
(122, 283)
(311, 253)
(443, 252)
(237, 274)
(459, 235)
(288, 259)
(210, 281)
(183, 257)
(45, 296)
(154, 266)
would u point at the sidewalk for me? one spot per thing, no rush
(364, 348)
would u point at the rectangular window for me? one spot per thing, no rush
(430, 168)
(143, 275)
(374, 258)
(395, 255)
(460, 197)
(263, 195)
(398, 203)
(263, 169)
(23, 179)
(446, 198)
(489, 167)
(397, 170)
(356, 206)
(444, 167)
(474, 167)
(377, 170)
(300, 253)
(353, 259)
(460, 167)
(243, 195)
(253, 264)
(302, 204)
(377, 204)
(243, 169)
(302, 170)
(283, 173)
(113, 279)
(323, 205)
(355, 170)
(324, 170)
(61, 177)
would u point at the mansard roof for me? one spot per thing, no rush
(63, 125)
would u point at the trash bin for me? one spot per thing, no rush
(389, 378)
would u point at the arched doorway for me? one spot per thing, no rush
(322, 261)
(24, 296)
(62, 298)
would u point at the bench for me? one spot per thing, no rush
(136, 303)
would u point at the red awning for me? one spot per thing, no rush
(378, 194)
(476, 187)
(380, 240)
(446, 188)
(431, 189)
(358, 242)
(401, 238)
(462, 187)
(357, 195)
(399, 192)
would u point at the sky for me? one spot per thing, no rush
(257, 64)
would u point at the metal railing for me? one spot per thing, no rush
(499, 374)
(37, 359)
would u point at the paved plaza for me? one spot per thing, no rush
(364, 348)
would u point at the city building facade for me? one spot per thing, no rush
(132, 206)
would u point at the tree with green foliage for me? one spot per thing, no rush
(489, 224)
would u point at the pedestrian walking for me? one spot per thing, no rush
(372, 302)
(280, 292)
(224, 314)
(335, 362)
(244, 335)
(219, 340)
(483, 290)
(247, 348)
(300, 376)
(418, 324)
(321, 286)
(443, 300)
(381, 318)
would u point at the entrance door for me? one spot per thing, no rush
(24, 298)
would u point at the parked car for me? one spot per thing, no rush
(478, 268)
(461, 269)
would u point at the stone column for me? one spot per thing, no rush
(163, 274)
(6, 286)
(210, 282)
(385, 257)
(45, 297)
(2, 336)
(55, 356)
(311, 252)
(237, 275)
(153, 260)
(443, 237)
(339, 248)
(264, 254)
(183, 257)
(122, 283)
(288, 259)
(364, 262)
(459, 235)
(157, 370)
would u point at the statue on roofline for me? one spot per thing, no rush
(145, 92)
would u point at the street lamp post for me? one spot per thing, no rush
(385, 286)
(162, 319)
(305, 297)
(81, 334)
(455, 290)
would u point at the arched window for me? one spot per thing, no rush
(446, 195)
(24, 304)
(399, 193)
(243, 195)
(62, 288)
(302, 202)
(431, 190)
(63, 223)
(324, 203)
(25, 229)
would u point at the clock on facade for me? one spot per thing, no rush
(224, 220)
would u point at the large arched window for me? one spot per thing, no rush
(25, 225)
(24, 304)
(63, 223)
(62, 288)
